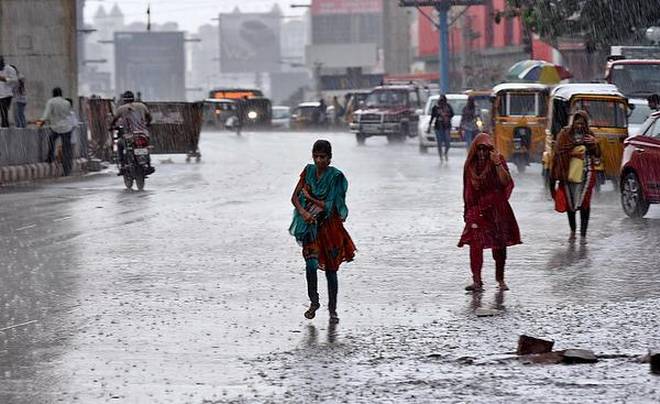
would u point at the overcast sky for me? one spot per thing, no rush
(189, 14)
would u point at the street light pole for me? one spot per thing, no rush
(443, 48)
(443, 7)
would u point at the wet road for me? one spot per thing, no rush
(193, 291)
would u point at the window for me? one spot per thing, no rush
(641, 79)
(602, 113)
(387, 98)
(519, 104)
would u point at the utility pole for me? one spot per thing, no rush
(442, 7)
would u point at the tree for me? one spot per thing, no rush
(601, 23)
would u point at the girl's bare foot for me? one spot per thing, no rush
(503, 286)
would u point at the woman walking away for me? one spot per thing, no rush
(320, 202)
(469, 122)
(489, 219)
(574, 163)
(441, 115)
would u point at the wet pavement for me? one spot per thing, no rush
(193, 291)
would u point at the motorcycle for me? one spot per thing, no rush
(135, 166)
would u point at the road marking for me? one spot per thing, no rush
(29, 226)
(62, 219)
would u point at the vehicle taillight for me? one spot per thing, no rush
(141, 141)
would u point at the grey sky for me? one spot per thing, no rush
(190, 14)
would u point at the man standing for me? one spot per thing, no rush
(57, 114)
(7, 81)
(441, 114)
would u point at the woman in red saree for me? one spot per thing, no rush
(574, 192)
(489, 219)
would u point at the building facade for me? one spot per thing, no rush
(40, 39)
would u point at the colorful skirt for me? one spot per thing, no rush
(332, 247)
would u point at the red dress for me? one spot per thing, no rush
(489, 219)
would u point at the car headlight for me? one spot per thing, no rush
(252, 115)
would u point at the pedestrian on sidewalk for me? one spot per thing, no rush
(441, 115)
(320, 210)
(7, 82)
(469, 122)
(576, 155)
(489, 219)
(58, 115)
(20, 100)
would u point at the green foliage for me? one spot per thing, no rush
(600, 22)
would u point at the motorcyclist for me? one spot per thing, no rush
(134, 117)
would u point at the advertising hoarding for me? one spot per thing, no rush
(250, 42)
(151, 63)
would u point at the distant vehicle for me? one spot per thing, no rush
(281, 117)
(638, 115)
(640, 169)
(636, 78)
(303, 116)
(392, 111)
(255, 110)
(520, 117)
(218, 111)
(427, 139)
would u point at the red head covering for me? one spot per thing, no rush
(482, 178)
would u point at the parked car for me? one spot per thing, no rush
(427, 139)
(640, 169)
(638, 115)
(391, 111)
(281, 117)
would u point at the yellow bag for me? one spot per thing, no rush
(576, 166)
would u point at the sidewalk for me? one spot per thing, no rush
(31, 172)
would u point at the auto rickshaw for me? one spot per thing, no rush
(519, 119)
(608, 111)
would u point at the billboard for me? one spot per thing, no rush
(250, 42)
(151, 63)
(324, 7)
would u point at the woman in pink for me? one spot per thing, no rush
(489, 219)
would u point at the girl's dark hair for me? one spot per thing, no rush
(322, 146)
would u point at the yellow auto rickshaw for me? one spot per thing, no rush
(608, 119)
(520, 116)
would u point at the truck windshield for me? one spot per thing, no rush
(387, 98)
(637, 79)
(603, 113)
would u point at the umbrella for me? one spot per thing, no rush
(538, 71)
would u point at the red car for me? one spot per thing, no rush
(640, 169)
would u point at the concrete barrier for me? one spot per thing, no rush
(23, 153)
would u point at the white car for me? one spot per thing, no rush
(281, 117)
(426, 140)
(638, 115)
